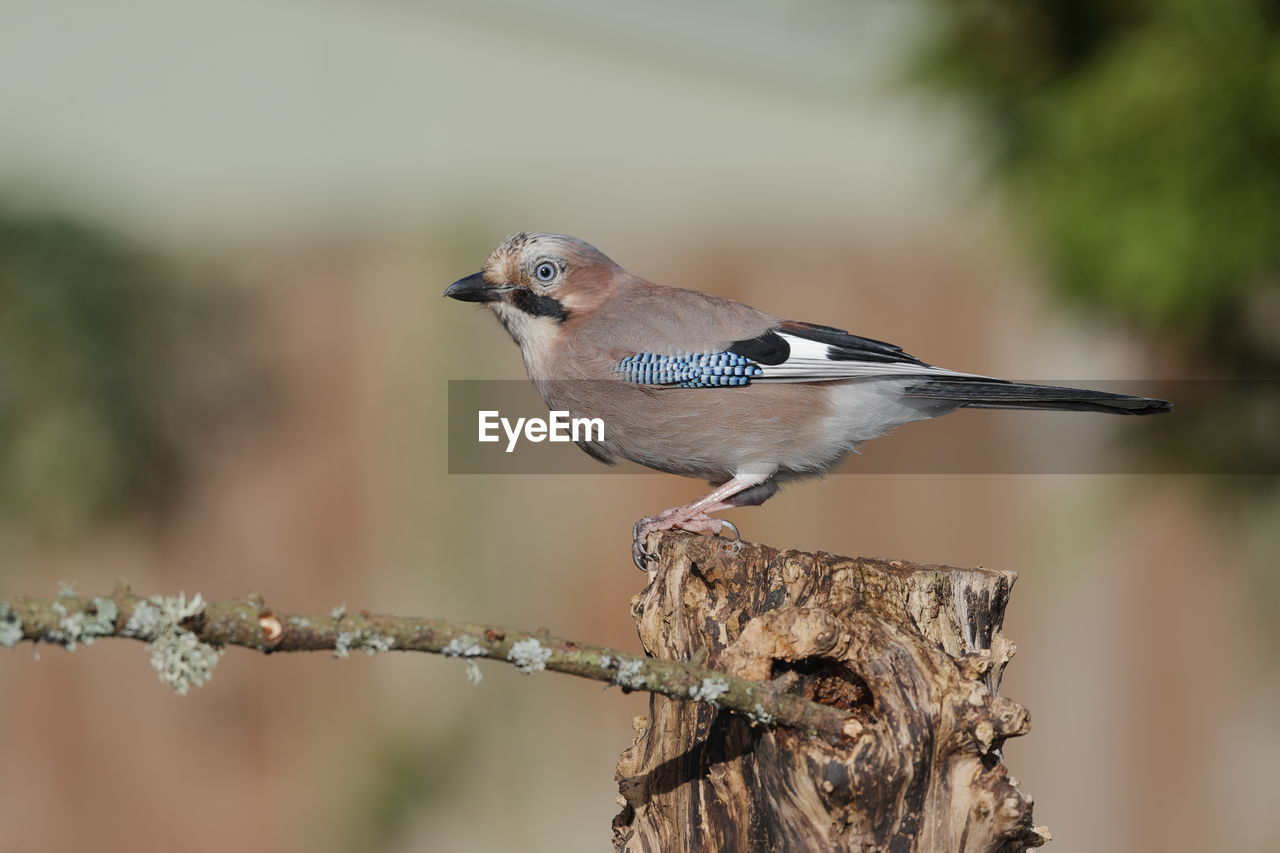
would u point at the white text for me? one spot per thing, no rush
(560, 427)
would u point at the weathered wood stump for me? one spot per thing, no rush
(915, 651)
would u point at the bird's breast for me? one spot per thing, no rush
(709, 433)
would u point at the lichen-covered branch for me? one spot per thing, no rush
(186, 638)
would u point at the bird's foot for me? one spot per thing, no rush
(668, 520)
(640, 533)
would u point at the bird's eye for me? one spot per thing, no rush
(545, 271)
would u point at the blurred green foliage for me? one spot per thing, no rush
(1140, 140)
(97, 346)
(401, 776)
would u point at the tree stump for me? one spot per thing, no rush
(914, 651)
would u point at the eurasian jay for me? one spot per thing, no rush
(703, 386)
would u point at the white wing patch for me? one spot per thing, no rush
(810, 361)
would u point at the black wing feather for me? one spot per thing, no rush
(843, 346)
(768, 348)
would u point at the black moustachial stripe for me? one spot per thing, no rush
(539, 306)
(769, 348)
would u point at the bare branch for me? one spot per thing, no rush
(186, 638)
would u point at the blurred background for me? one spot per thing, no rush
(224, 231)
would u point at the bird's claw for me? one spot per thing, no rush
(701, 523)
(640, 556)
(640, 533)
(733, 545)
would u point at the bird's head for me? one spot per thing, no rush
(536, 282)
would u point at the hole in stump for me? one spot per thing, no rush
(828, 682)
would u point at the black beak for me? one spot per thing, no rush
(474, 288)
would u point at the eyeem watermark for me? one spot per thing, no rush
(1217, 427)
(560, 427)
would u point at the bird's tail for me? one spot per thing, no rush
(997, 394)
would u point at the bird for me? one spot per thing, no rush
(702, 386)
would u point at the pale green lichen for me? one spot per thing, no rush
(630, 673)
(760, 715)
(10, 626)
(300, 621)
(464, 646)
(182, 660)
(81, 626)
(607, 662)
(144, 623)
(709, 690)
(67, 590)
(374, 643)
(529, 655)
(179, 656)
(103, 621)
(370, 641)
(68, 627)
(339, 613)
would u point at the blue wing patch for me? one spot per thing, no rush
(689, 369)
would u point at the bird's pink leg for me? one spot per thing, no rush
(692, 517)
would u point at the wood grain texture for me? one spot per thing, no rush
(915, 652)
